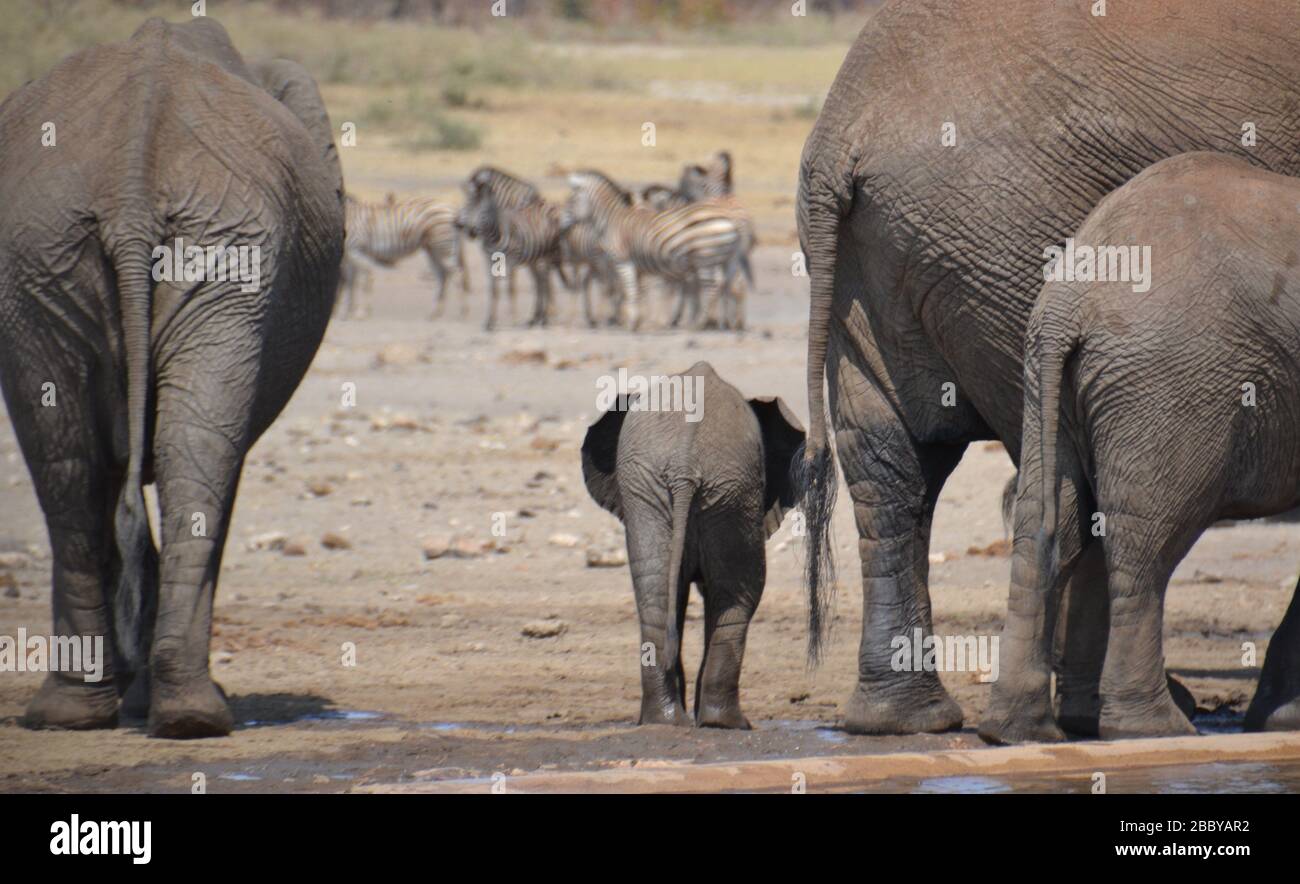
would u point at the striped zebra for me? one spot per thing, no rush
(707, 184)
(589, 263)
(517, 228)
(699, 245)
(385, 233)
(707, 181)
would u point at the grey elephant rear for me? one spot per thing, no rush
(699, 491)
(163, 140)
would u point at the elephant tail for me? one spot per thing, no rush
(1054, 350)
(813, 473)
(132, 263)
(683, 496)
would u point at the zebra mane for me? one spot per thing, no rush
(604, 180)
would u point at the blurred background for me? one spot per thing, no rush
(436, 87)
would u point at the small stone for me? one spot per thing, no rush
(545, 628)
(397, 355)
(272, 540)
(450, 620)
(10, 586)
(436, 546)
(14, 561)
(319, 488)
(606, 558)
(996, 549)
(567, 541)
(468, 548)
(524, 357)
(541, 443)
(296, 546)
(334, 540)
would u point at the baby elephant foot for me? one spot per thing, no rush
(727, 715)
(1126, 719)
(72, 705)
(656, 714)
(189, 711)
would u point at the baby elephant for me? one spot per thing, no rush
(1154, 405)
(699, 489)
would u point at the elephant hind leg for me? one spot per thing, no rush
(1141, 552)
(663, 685)
(732, 587)
(68, 459)
(894, 482)
(206, 399)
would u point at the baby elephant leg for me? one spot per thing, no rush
(663, 685)
(733, 585)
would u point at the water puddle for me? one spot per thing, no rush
(1217, 778)
(815, 728)
(347, 716)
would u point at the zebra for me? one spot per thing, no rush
(699, 245)
(516, 227)
(385, 233)
(703, 182)
(588, 262)
(710, 183)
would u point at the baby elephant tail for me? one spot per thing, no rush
(682, 497)
(1054, 350)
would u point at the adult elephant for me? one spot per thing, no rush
(119, 370)
(959, 141)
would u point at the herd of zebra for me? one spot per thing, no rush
(695, 238)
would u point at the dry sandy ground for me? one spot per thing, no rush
(452, 426)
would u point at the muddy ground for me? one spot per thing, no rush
(452, 426)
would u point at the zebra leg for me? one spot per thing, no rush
(542, 287)
(360, 306)
(587, 314)
(710, 287)
(466, 288)
(631, 294)
(683, 293)
(510, 277)
(494, 287)
(440, 300)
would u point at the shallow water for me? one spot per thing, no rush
(1203, 779)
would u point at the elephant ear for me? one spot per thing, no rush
(600, 457)
(783, 436)
(290, 84)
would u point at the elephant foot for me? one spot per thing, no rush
(1001, 727)
(1266, 713)
(1127, 719)
(676, 716)
(726, 715)
(64, 704)
(1078, 712)
(1284, 718)
(1182, 697)
(870, 710)
(191, 711)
